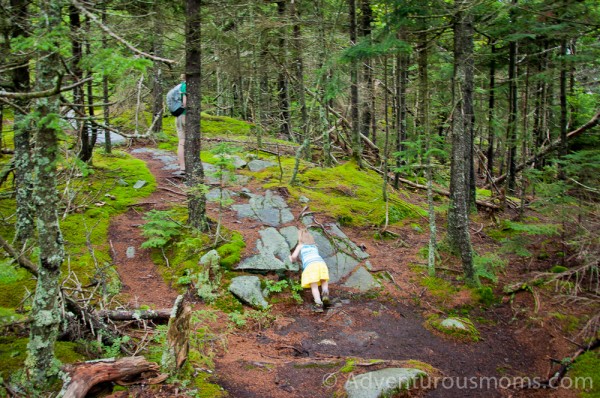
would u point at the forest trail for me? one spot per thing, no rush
(388, 325)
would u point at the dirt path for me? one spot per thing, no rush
(266, 363)
(139, 275)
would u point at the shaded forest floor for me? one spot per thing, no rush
(295, 353)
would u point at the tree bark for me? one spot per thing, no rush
(193, 165)
(105, 96)
(83, 376)
(22, 132)
(354, 98)
(511, 128)
(491, 112)
(282, 80)
(458, 213)
(45, 313)
(157, 82)
(368, 98)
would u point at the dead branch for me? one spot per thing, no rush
(45, 93)
(550, 148)
(21, 260)
(134, 315)
(81, 377)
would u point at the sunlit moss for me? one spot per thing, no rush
(585, 374)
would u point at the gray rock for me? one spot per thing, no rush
(271, 209)
(245, 193)
(273, 254)
(303, 199)
(382, 382)
(453, 323)
(259, 165)
(139, 184)
(122, 183)
(247, 290)
(214, 195)
(327, 342)
(130, 252)
(115, 139)
(210, 259)
(362, 280)
(291, 235)
(238, 162)
(339, 266)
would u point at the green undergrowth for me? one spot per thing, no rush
(103, 191)
(350, 194)
(195, 375)
(13, 353)
(586, 369)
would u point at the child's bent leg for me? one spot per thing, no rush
(314, 287)
(325, 287)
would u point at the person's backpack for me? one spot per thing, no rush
(174, 102)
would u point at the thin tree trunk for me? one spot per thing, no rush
(299, 68)
(45, 314)
(354, 99)
(368, 98)
(282, 80)
(491, 113)
(563, 149)
(105, 96)
(78, 98)
(402, 62)
(157, 83)
(193, 67)
(24, 224)
(511, 132)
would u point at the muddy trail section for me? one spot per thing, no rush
(301, 354)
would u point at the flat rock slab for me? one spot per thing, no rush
(382, 382)
(273, 251)
(247, 290)
(215, 195)
(259, 165)
(271, 209)
(362, 280)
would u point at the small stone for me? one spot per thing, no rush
(130, 253)
(139, 184)
(122, 183)
(303, 199)
(327, 342)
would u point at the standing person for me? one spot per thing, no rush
(180, 126)
(314, 269)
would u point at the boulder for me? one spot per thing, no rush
(259, 165)
(382, 382)
(271, 209)
(247, 290)
(210, 260)
(362, 280)
(273, 252)
(453, 323)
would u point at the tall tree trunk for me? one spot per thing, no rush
(105, 96)
(193, 165)
(78, 98)
(423, 105)
(22, 132)
(282, 79)
(354, 100)
(491, 113)
(368, 98)
(299, 69)
(562, 152)
(157, 83)
(402, 62)
(45, 315)
(469, 120)
(511, 129)
(458, 212)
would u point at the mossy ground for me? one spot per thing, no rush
(470, 334)
(586, 367)
(352, 195)
(13, 352)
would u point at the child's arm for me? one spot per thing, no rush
(296, 253)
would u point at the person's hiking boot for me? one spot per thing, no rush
(325, 298)
(317, 307)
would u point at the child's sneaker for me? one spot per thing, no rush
(317, 307)
(326, 302)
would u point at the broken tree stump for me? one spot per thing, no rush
(81, 377)
(178, 333)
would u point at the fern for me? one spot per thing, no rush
(488, 266)
(160, 229)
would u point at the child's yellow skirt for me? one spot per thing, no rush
(314, 273)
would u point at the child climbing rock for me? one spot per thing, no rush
(314, 269)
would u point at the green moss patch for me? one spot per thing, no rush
(13, 353)
(350, 194)
(584, 374)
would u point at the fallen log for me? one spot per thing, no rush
(134, 315)
(81, 377)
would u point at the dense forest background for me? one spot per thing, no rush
(494, 104)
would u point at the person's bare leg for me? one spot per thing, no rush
(314, 287)
(325, 289)
(180, 123)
